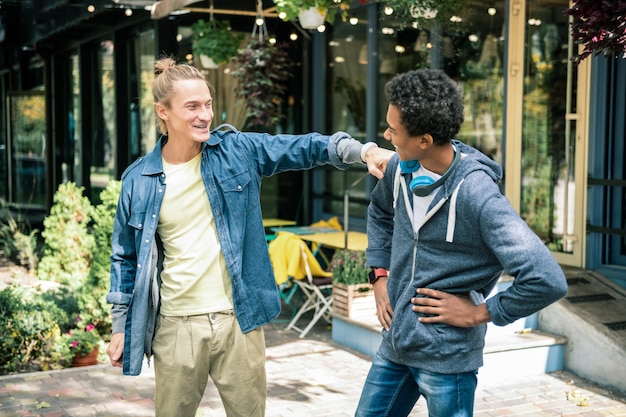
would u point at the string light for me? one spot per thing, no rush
(91, 8)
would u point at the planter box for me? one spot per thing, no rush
(354, 300)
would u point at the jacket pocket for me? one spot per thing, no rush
(237, 193)
(136, 222)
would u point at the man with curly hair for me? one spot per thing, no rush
(440, 235)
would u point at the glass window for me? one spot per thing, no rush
(148, 128)
(469, 47)
(347, 62)
(104, 141)
(27, 136)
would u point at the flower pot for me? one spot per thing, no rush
(89, 359)
(311, 18)
(207, 62)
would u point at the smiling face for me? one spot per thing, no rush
(407, 146)
(190, 112)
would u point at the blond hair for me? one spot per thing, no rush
(166, 72)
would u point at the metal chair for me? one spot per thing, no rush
(317, 290)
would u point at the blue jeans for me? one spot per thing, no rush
(392, 390)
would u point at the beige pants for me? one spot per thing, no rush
(187, 350)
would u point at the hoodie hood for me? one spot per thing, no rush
(474, 160)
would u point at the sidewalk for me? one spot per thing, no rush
(306, 377)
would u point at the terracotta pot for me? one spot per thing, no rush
(89, 359)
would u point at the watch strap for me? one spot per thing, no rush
(377, 273)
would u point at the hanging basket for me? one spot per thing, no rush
(207, 62)
(311, 18)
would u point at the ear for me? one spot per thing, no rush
(425, 141)
(161, 111)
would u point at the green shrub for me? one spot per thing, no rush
(28, 331)
(93, 305)
(68, 245)
(18, 242)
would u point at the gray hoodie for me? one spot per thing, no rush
(471, 234)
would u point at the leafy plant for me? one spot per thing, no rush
(19, 242)
(425, 11)
(27, 330)
(92, 300)
(289, 9)
(263, 71)
(214, 39)
(68, 245)
(600, 26)
(80, 340)
(348, 267)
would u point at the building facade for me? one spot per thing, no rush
(74, 83)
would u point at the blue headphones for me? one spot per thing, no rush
(423, 185)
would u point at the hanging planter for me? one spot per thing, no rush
(311, 18)
(215, 40)
(304, 10)
(207, 62)
(600, 27)
(263, 71)
(426, 12)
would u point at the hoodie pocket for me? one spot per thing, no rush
(436, 339)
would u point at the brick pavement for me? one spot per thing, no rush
(306, 378)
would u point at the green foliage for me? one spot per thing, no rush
(80, 340)
(328, 8)
(263, 70)
(77, 254)
(600, 26)
(93, 305)
(68, 244)
(19, 243)
(214, 39)
(423, 12)
(348, 267)
(28, 330)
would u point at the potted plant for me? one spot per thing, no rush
(353, 295)
(599, 27)
(213, 40)
(312, 13)
(425, 11)
(262, 71)
(79, 346)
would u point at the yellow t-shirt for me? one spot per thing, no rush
(195, 279)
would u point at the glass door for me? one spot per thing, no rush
(546, 146)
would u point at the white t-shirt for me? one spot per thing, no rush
(195, 279)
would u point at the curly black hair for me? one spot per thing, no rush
(429, 102)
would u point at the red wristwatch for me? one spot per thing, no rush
(377, 273)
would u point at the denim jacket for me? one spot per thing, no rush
(232, 166)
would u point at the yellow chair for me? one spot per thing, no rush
(294, 262)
